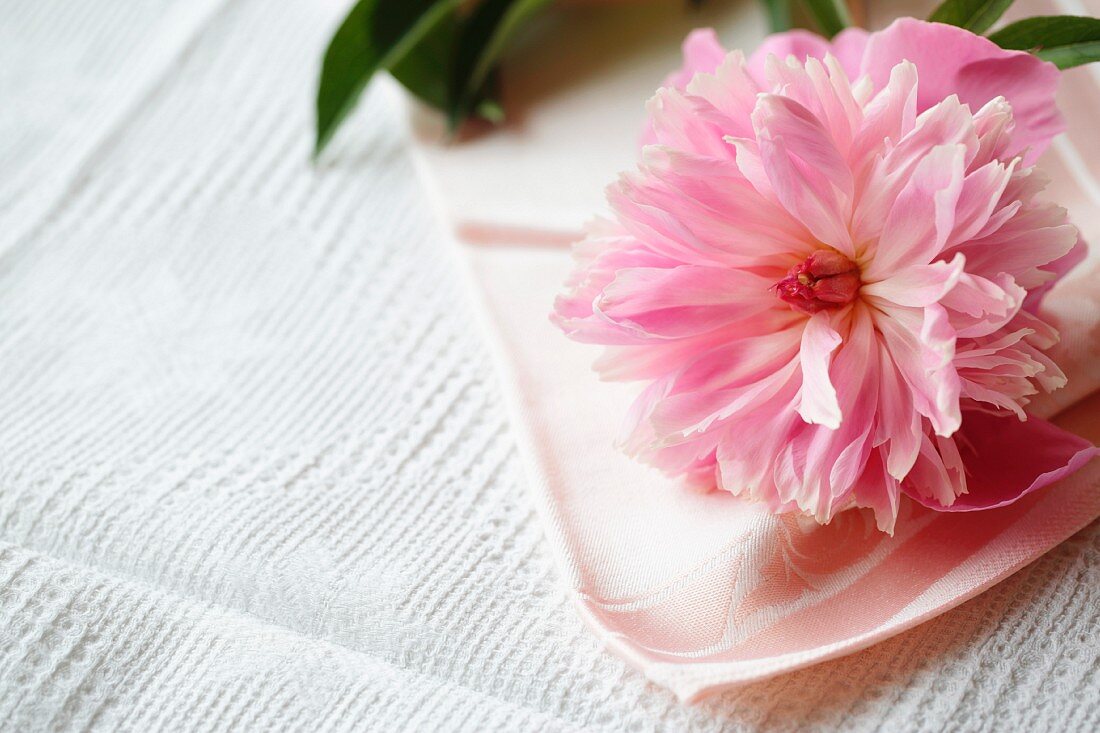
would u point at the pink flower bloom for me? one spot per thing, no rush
(826, 270)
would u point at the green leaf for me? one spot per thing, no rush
(1064, 40)
(376, 34)
(425, 69)
(831, 16)
(974, 15)
(483, 38)
(779, 15)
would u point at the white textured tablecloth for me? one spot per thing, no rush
(254, 471)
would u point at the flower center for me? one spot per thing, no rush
(825, 279)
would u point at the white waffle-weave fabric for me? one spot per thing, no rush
(254, 469)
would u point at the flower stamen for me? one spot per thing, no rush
(825, 279)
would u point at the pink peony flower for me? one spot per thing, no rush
(827, 269)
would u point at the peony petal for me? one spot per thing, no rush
(720, 206)
(747, 460)
(798, 43)
(955, 61)
(890, 115)
(848, 47)
(922, 344)
(818, 402)
(1030, 242)
(995, 126)
(808, 174)
(899, 425)
(682, 301)
(919, 285)
(687, 123)
(929, 478)
(1007, 459)
(751, 164)
(820, 464)
(1058, 268)
(702, 53)
(632, 357)
(658, 230)
(979, 198)
(947, 124)
(743, 358)
(694, 412)
(879, 491)
(923, 216)
(978, 306)
(823, 89)
(731, 91)
(782, 118)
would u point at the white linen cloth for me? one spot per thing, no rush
(254, 471)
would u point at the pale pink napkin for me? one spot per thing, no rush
(703, 591)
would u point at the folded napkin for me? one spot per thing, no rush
(704, 591)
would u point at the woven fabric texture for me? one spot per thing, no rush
(254, 469)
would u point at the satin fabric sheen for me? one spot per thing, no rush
(705, 591)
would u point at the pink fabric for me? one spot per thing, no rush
(701, 591)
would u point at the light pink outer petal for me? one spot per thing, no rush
(1060, 267)
(798, 43)
(702, 53)
(1007, 459)
(848, 47)
(951, 60)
